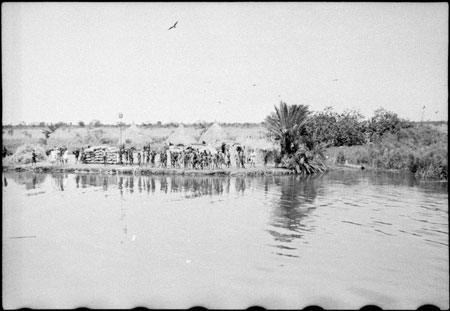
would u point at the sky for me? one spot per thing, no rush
(224, 62)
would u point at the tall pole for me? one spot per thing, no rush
(120, 127)
(423, 115)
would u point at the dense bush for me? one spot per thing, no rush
(420, 150)
(340, 158)
(385, 122)
(23, 154)
(302, 164)
(335, 129)
(349, 128)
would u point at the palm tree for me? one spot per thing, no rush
(286, 124)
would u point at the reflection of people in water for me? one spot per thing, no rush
(131, 184)
(59, 179)
(83, 181)
(140, 184)
(34, 181)
(5, 181)
(120, 185)
(164, 184)
(77, 180)
(105, 183)
(153, 185)
(240, 184)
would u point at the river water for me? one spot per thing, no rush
(344, 239)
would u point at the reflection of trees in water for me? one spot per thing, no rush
(29, 179)
(297, 194)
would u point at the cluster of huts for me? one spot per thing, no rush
(212, 140)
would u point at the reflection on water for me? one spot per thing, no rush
(356, 236)
(31, 180)
(295, 203)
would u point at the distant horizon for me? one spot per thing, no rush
(124, 123)
(224, 62)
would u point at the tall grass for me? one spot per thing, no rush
(420, 150)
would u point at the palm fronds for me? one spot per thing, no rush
(286, 124)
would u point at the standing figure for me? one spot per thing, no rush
(253, 158)
(66, 156)
(168, 158)
(192, 159)
(125, 152)
(152, 157)
(139, 158)
(236, 158)
(266, 158)
(33, 157)
(242, 158)
(130, 156)
(81, 156)
(157, 159)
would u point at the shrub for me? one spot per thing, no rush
(340, 158)
(23, 154)
(276, 156)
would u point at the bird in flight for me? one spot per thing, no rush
(174, 25)
(335, 79)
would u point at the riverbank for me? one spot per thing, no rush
(144, 170)
(45, 167)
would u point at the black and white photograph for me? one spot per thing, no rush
(225, 155)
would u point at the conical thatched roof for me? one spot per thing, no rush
(133, 132)
(180, 136)
(215, 135)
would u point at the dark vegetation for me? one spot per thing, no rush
(384, 141)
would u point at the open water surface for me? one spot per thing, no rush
(339, 240)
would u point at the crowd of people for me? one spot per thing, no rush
(57, 155)
(185, 158)
(188, 158)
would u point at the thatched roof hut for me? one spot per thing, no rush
(132, 133)
(180, 136)
(215, 135)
